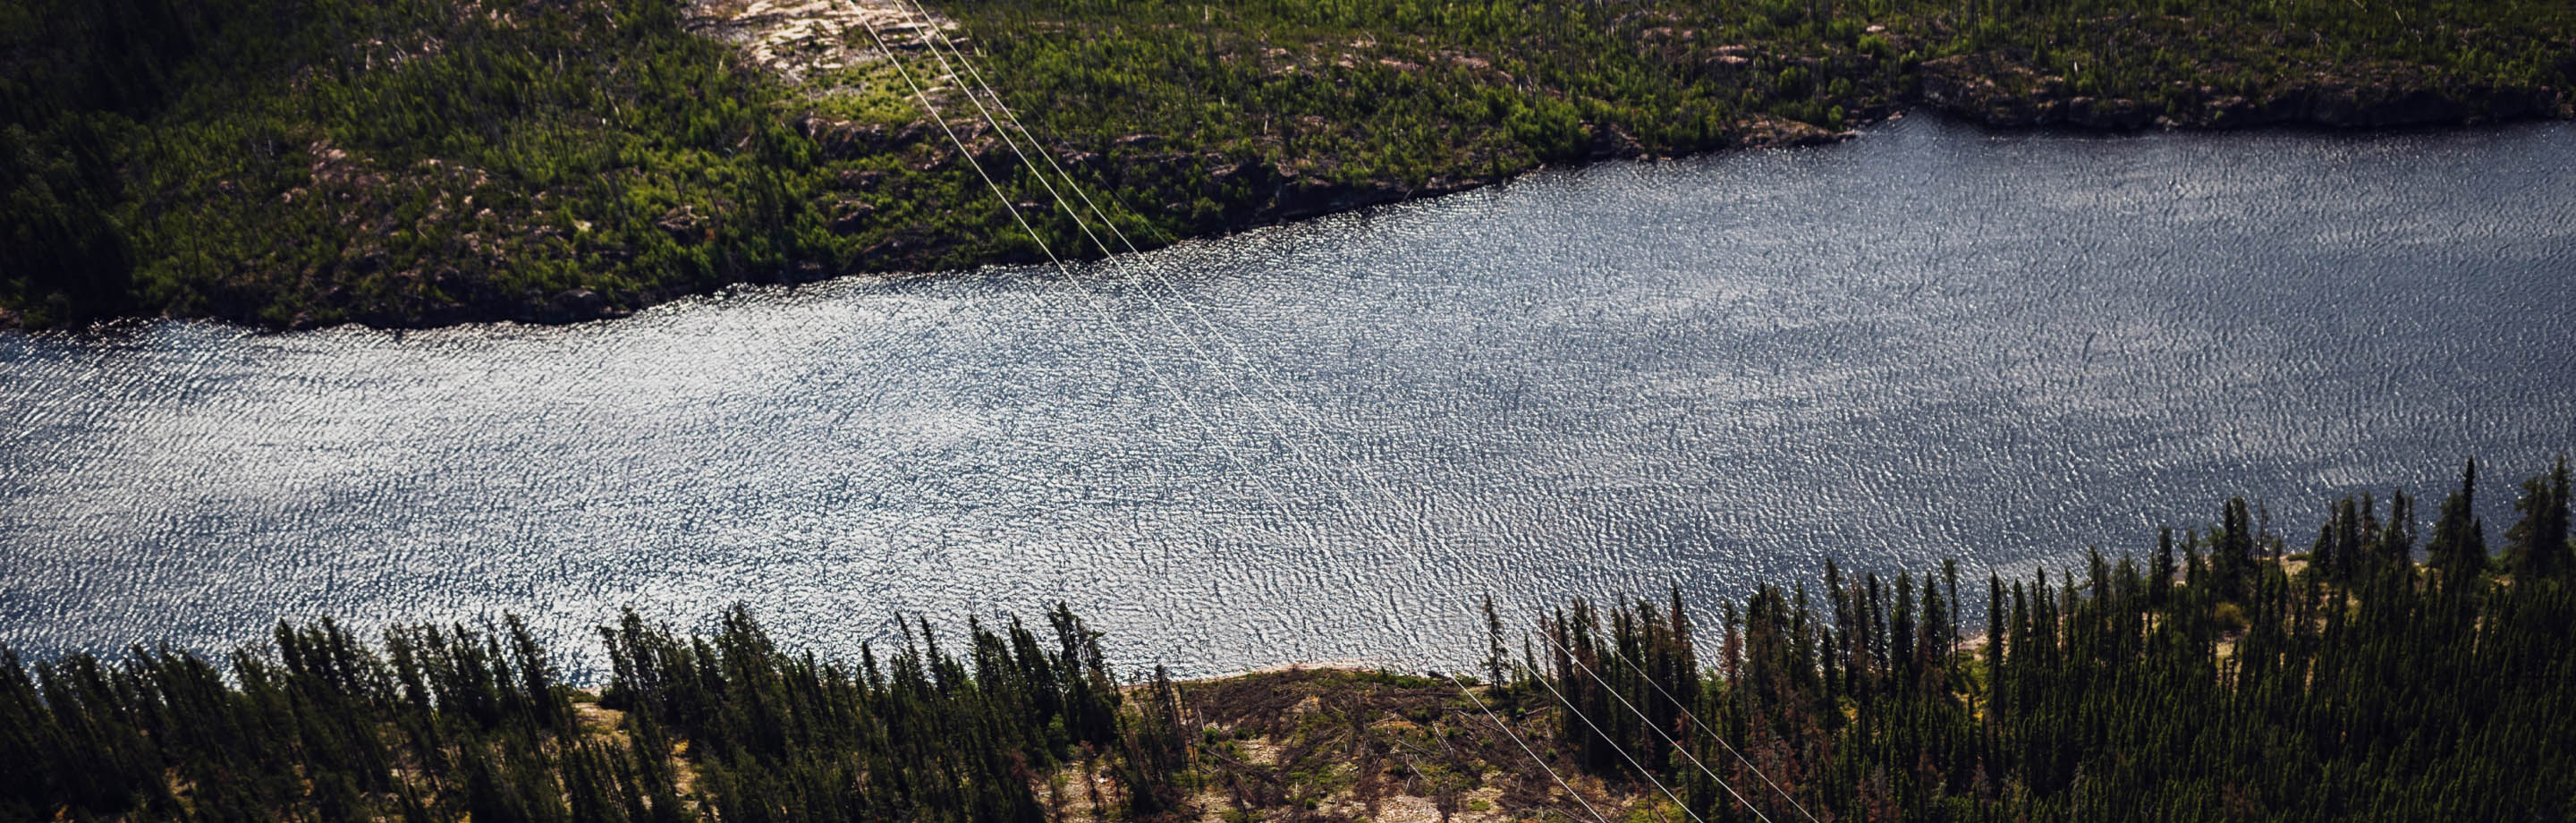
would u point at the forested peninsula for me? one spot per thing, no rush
(2378, 671)
(295, 163)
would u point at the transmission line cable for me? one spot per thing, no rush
(1286, 438)
(937, 37)
(1163, 313)
(1525, 747)
(1277, 398)
(978, 76)
(1649, 722)
(1623, 752)
(1384, 488)
(1708, 730)
(1323, 475)
(1107, 321)
(1013, 118)
(932, 41)
(933, 112)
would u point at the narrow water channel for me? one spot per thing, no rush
(1929, 342)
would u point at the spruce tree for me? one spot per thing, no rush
(2160, 586)
(2459, 547)
(2537, 545)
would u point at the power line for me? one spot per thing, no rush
(1706, 729)
(1129, 341)
(1650, 723)
(1649, 774)
(1525, 747)
(1014, 118)
(932, 41)
(1270, 388)
(933, 112)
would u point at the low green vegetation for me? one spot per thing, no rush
(275, 160)
(2227, 677)
(407, 162)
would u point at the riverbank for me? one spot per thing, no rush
(443, 163)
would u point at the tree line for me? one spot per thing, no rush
(2390, 670)
(462, 722)
(2381, 674)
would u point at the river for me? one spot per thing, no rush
(1323, 441)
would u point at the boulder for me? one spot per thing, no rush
(1611, 142)
(575, 305)
(851, 216)
(683, 225)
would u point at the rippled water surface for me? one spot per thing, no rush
(1931, 341)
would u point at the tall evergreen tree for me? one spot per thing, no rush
(2537, 544)
(2459, 547)
(2160, 587)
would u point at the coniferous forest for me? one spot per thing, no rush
(2395, 666)
(2233, 675)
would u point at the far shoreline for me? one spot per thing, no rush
(2399, 114)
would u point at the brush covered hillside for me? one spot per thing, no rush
(291, 163)
(2228, 675)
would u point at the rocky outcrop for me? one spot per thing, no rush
(1777, 132)
(684, 226)
(1303, 198)
(809, 40)
(573, 306)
